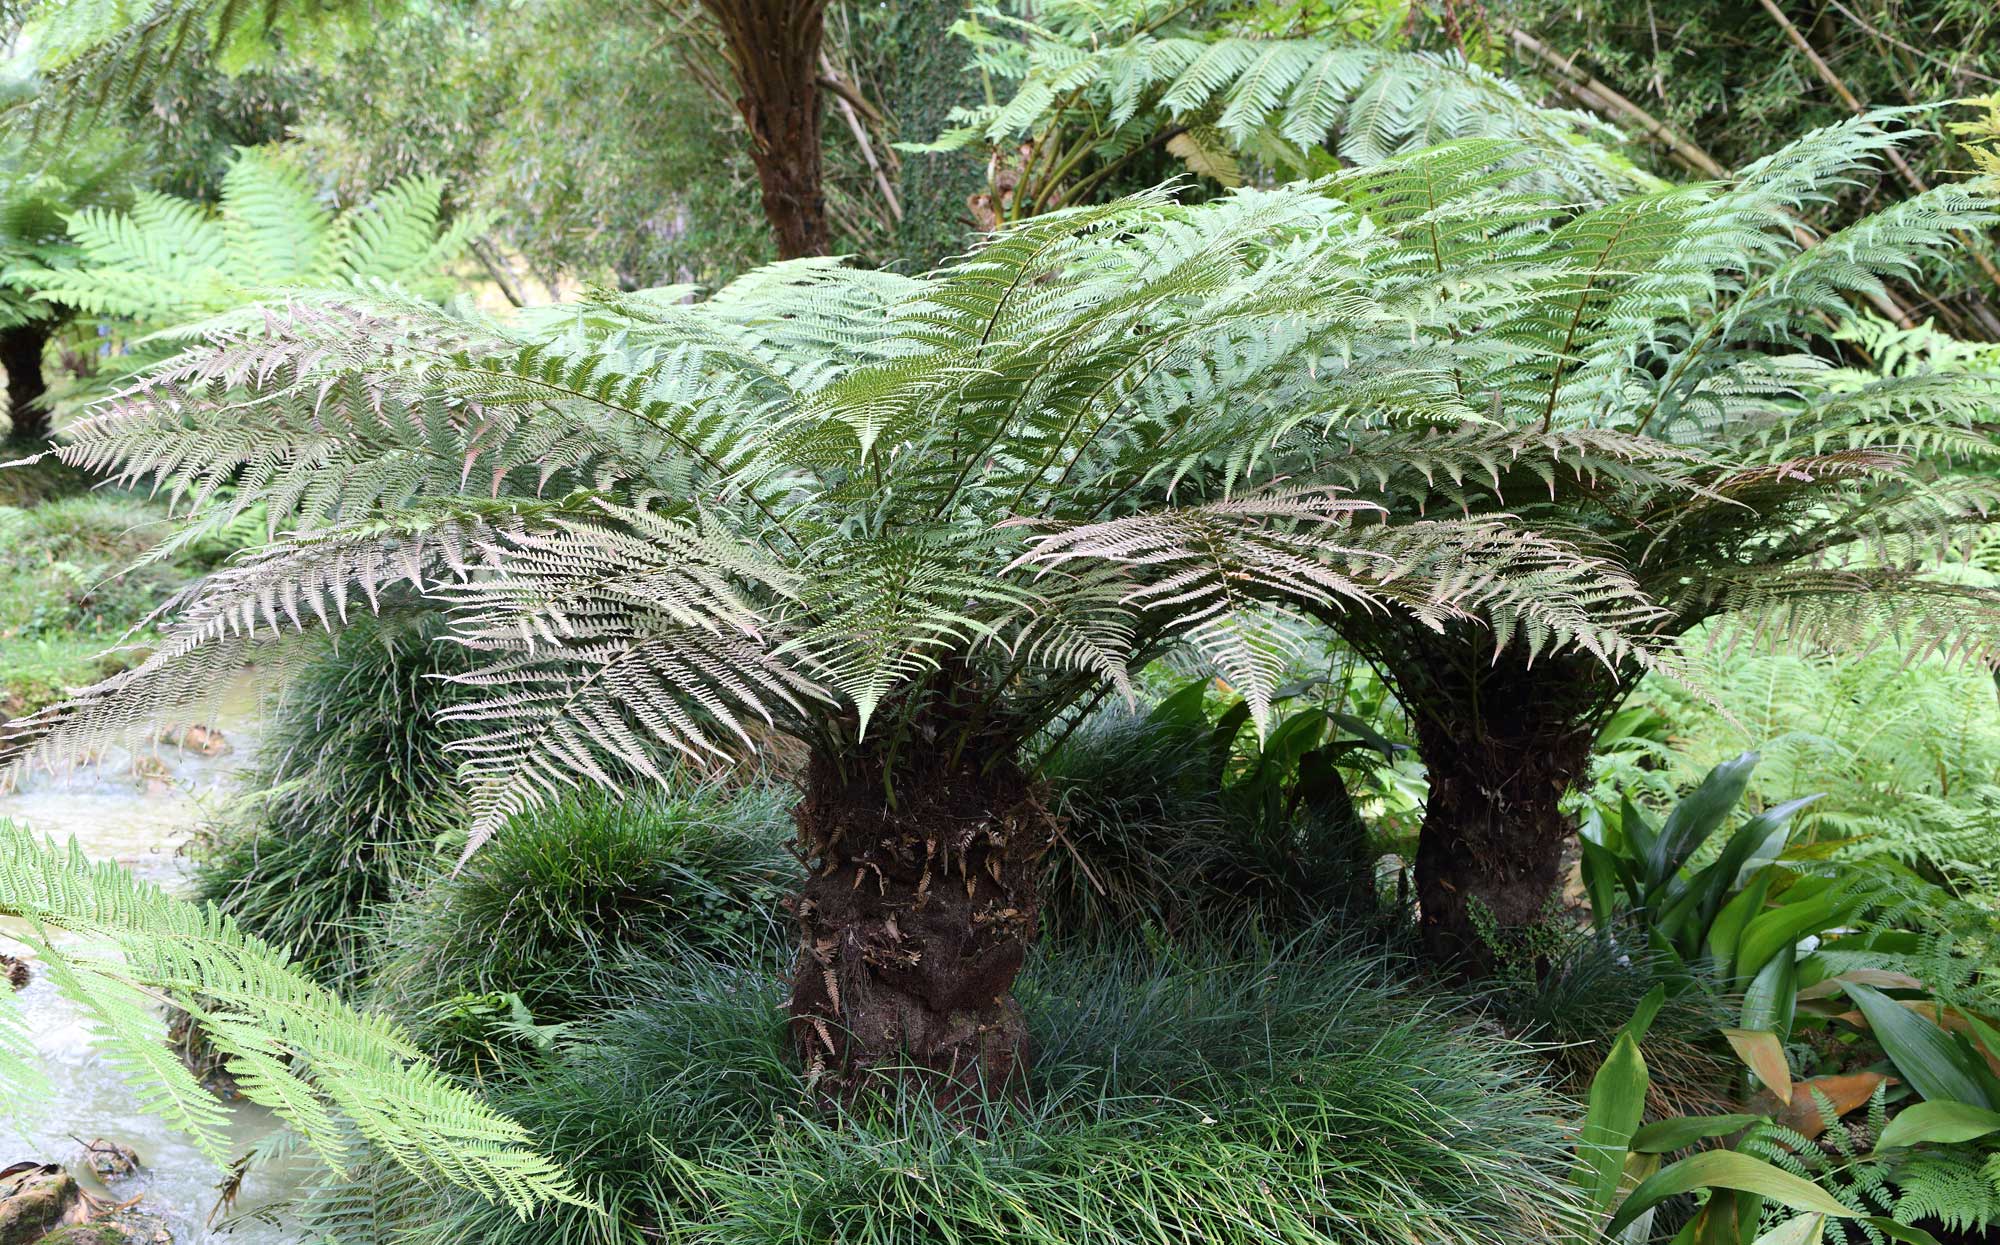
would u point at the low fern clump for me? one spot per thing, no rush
(1287, 1095)
(352, 794)
(548, 911)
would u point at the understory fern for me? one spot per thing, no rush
(119, 948)
(1956, 1186)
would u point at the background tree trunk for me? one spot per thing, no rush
(913, 922)
(773, 48)
(21, 349)
(1502, 742)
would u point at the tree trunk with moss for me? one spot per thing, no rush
(21, 350)
(916, 915)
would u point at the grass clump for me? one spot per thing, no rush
(1174, 821)
(550, 910)
(352, 796)
(1284, 1095)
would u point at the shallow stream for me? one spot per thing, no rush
(140, 809)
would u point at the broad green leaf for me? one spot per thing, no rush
(1682, 1131)
(1772, 997)
(1803, 1230)
(1899, 1231)
(1726, 1169)
(1935, 1066)
(1763, 1054)
(1770, 933)
(1696, 817)
(1643, 1015)
(1726, 930)
(1617, 1103)
(1937, 1121)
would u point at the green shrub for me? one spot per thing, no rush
(552, 908)
(353, 792)
(1175, 1097)
(1180, 816)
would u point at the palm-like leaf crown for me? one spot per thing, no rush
(1811, 497)
(930, 513)
(1097, 83)
(872, 510)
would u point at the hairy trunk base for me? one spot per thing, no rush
(21, 355)
(1502, 742)
(914, 920)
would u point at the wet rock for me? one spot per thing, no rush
(110, 1160)
(124, 1226)
(14, 972)
(36, 1199)
(152, 774)
(193, 737)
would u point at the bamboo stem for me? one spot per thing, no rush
(843, 98)
(1683, 150)
(1910, 176)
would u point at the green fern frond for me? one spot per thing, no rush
(294, 1046)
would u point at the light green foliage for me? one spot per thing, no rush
(170, 261)
(335, 1074)
(1906, 753)
(1285, 1094)
(70, 592)
(37, 192)
(1095, 85)
(590, 159)
(823, 494)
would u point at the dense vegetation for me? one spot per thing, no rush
(1327, 622)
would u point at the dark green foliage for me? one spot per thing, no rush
(551, 909)
(1284, 1096)
(1179, 815)
(352, 795)
(921, 70)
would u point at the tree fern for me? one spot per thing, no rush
(169, 263)
(339, 1076)
(1096, 83)
(909, 520)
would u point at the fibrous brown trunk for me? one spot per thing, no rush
(1502, 741)
(21, 350)
(914, 919)
(773, 48)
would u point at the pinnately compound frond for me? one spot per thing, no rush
(294, 1046)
